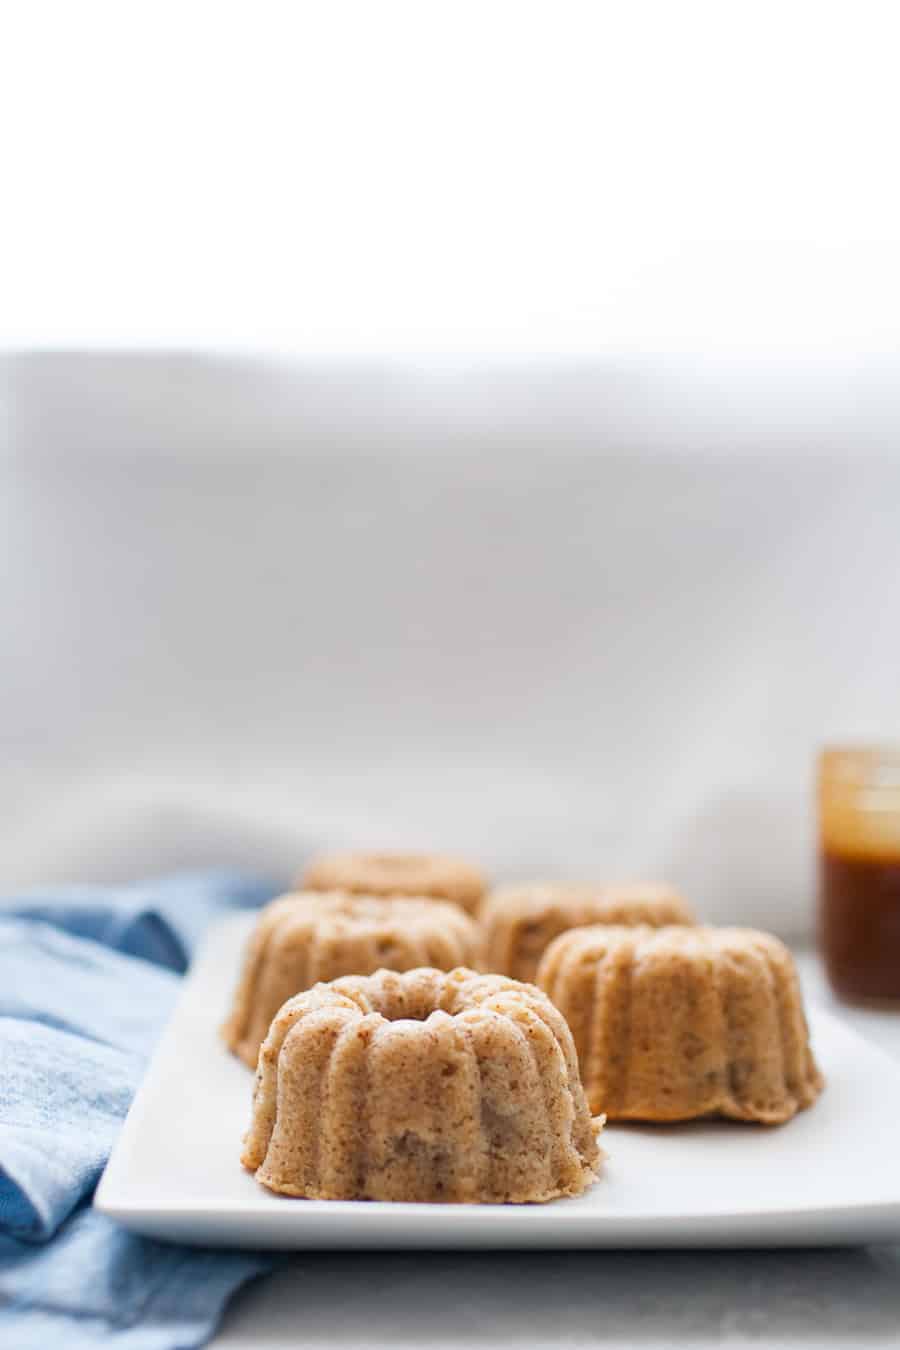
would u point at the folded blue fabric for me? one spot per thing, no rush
(63, 1101)
(86, 983)
(159, 921)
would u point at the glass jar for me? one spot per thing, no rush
(859, 877)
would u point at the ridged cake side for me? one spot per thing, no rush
(302, 940)
(519, 922)
(422, 1086)
(674, 1023)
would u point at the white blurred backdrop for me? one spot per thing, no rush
(491, 175)
(471, 426)
(587, 619)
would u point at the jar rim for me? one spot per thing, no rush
(872, 765)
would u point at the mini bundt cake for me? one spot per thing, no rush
(673, 1023)
(414, 874)
(302, 939)
(518, 922)
(421, 1086)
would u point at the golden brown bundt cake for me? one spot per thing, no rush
(421, 1086)
(518, 922)
(302, 939)
(672, 1023)
(414, 874)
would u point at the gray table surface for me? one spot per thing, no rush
(838, 1297)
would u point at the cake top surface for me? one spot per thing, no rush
(349, 912)
(417, 995)
(688, 939)
(382, 869)
(540, 895)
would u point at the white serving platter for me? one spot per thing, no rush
(831, 1176)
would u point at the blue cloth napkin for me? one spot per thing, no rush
(87, 978)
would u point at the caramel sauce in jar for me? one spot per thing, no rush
(859, 871)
